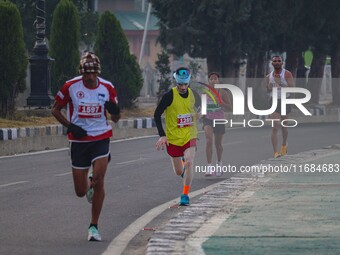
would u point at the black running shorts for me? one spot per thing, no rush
(218, 129)
(84, 154)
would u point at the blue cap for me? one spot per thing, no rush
(182, 75)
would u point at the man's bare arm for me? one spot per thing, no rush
(289, 78)
(56, 112)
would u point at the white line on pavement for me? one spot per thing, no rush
(12, 183)
(33, 153)
(58, 175)
(230, 143)
(129, 161)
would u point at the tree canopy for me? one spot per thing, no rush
(118, 65)
(227, 31)
(13, 59)
(64, 43)
(28, 13)
(163, 67)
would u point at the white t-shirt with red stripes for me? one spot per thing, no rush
(85, 107)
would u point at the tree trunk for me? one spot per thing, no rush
(291, 61)
(4, 109)
(214, 64)
(335, 69)
(300, 80)
(251, 67)
(260, 92)
(90, 5)
(10, 108)
(256, 71)
(228, 70)
(261, 63)
(315, 75)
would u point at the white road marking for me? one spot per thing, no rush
(12, 183)
(133, 138)
(129, 161)
(58, 175)
(33, 153)
(230, 143)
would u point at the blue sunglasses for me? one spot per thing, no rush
(183, 72)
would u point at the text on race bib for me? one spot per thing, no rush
(185, 120)
(90, 111)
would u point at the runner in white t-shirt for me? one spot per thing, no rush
(86, 98)
(279, 78)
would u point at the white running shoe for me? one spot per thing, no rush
(219, 171)
(94, 234)
(209, 171)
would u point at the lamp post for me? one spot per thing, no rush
(40, 64)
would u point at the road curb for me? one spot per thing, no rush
(39, 138)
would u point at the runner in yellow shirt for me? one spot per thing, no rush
(181, 131)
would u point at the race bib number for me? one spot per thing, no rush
(185, 120)
(90, 111)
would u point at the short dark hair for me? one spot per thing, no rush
(214, 73)
(277, 56)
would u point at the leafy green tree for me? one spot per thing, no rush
(118, 65)
(294, 41)
(163, 67)
(333, 26)
(317, 34)
(133, 82)
(194, 68)
(88, 28)
(13, 59)
(28, 14)
(28, 11)
(205, 29)
(64, 43)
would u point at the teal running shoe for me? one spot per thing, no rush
(184, 200)
(94, 234)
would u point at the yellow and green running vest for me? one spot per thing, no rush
(180, 119)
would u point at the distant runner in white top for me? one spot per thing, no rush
(279, 78)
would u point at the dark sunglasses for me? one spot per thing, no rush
(181, 84)
(276, 61)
